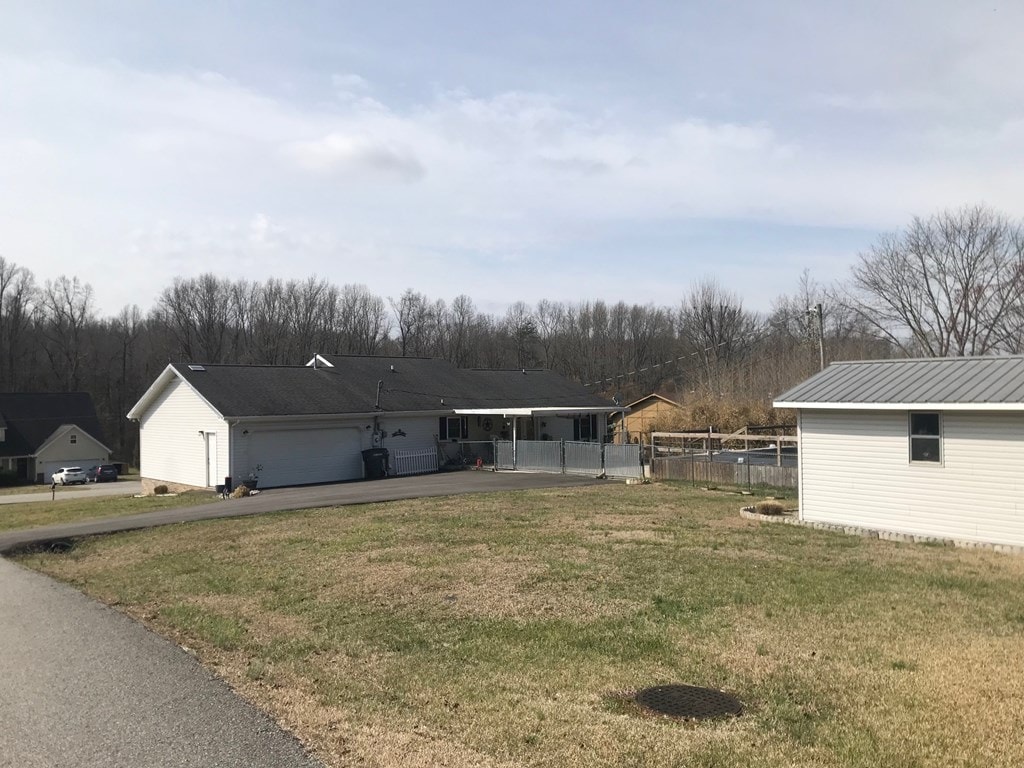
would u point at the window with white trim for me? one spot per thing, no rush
(926, 437)
(74, 438)
(453, 428)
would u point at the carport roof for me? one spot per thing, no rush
(956, 383)
(349, 385)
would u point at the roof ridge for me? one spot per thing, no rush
(897, 360)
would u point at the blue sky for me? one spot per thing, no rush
(509, 151)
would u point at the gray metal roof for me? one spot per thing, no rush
(952, 382)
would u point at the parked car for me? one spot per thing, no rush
(104, 473)
(69, 476)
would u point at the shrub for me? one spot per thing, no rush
(240, 492)
(160, 490)
(769, 507)
(7, 478)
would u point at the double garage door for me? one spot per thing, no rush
(304, 456)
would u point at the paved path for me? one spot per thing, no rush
(87, 491)
(281, 499)
(85, 687)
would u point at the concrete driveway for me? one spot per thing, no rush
(88, 491)
(281, 499)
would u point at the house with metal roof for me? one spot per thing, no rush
(295, 425)
(928, 447)
(40, 432)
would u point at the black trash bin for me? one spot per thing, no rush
(375, 461)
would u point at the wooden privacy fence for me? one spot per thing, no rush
(693, 468)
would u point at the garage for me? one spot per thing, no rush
(306, 456)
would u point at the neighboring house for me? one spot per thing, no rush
(931, 447)
(641, 415)
(40, 432)
(294, 425)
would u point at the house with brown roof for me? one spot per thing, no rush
(40, 432)
(637, 421)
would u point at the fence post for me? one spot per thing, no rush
(561, 453)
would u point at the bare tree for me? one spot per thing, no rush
(64, 311)
(716, 330)
(947, 285)
(18, 294)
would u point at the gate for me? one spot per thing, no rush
(583, 458)
(622, 460)
(504, 455)
(539, 456)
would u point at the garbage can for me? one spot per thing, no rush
(228, 488)
(375, 461)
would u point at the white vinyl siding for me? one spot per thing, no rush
(420, 432)
(855, 470)
(172, 436)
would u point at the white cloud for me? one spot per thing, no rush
(340, 152)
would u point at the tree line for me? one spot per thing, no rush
(952, 284)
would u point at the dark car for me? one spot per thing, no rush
(104, 473)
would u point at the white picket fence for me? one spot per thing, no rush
(413, 462)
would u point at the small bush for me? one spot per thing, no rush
(769, 507)
(240, 492)
(9, 478)
(160, 490)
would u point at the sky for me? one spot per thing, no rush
(565, 149)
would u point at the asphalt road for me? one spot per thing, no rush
(83, 686)
(281, 499)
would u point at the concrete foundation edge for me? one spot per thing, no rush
(872, 533)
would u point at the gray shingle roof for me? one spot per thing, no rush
(409, 384)
(950, 382)
(31, 418)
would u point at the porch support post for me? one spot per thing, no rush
(515, 441)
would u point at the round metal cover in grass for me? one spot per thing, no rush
(688, 701)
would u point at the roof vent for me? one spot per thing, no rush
(196, 368)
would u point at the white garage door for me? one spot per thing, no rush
(301, 456)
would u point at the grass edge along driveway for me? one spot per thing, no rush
(507, 629)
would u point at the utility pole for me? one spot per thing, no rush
(817, 311)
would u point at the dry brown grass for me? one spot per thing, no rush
(502, 630)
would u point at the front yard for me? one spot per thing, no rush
(505, 629)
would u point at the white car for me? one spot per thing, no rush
(69, 476)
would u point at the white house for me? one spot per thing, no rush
(931, 447)
(295, 425)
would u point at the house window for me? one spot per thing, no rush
(453, 428)
(585, 427)
(925, 437)
(74, 439)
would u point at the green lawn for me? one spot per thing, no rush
(510, 629)
(32, 514)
